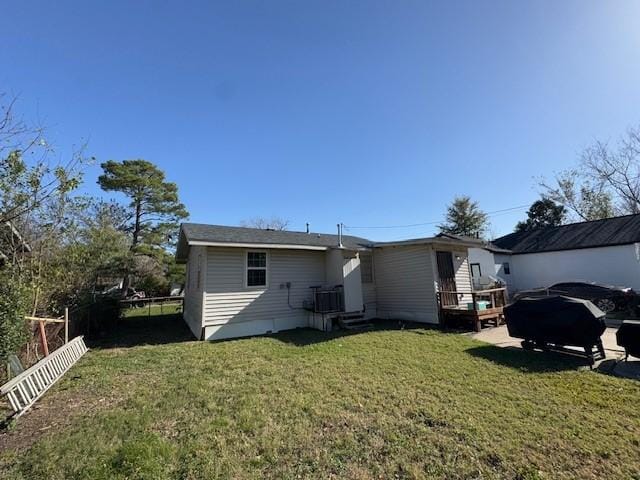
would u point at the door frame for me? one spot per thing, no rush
(446, 278)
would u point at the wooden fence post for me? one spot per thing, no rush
(66, 325)
(43, 338)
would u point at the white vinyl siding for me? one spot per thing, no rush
(192, 310)
(260, 309)
(405, 284)
(463, 276)
(369, 300)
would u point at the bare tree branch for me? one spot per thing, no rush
(274, 223)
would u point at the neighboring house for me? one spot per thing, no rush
(602, 251)
(245, 281)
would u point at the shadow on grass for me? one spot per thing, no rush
(529, 362)
(145, 330)
(309, 336)
(629, 369)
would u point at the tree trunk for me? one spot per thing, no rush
(136, 228)
(126, 281)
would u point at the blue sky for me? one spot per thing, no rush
(368, 113)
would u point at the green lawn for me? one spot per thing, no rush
(389, 403)
(152, 310)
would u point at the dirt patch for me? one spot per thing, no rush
(53, 412)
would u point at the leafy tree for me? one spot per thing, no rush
(274, 223)
(464, 217)
(542, 213)
(26, 185)
(93, 244)
(155, 210)
(34, 197)
(14, 305)
(154, 215)
(580, 196)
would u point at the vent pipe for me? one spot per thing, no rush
(307, 228)
(340, 235)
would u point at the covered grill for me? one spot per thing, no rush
(628, 337)
(555, 322)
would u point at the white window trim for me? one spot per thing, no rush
(246, 270)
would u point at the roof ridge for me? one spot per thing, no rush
(566, 225)
(594, 221)
(239, 227)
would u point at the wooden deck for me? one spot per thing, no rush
(451, 311)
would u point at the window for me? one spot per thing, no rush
(256, 269)
(366, 268)
(476, 272)
(506, 268)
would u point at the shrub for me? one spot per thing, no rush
(153, 286)
(14, 305)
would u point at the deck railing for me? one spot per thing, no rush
(497, 297)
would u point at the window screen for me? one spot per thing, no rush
(366, 268)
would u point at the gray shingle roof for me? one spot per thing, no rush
(478, 241)
(221, 234)
(191, 232)
(598, 233)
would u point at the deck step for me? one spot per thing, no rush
(354, 321)
(359, 326)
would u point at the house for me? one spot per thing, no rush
(602, 251)
(245, 281)
(483, 257)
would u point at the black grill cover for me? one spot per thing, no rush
(557, 320)
(628, 336)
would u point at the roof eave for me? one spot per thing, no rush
(427, 241)
(287, 246)
(584, 247)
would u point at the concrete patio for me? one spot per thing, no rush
(613, 364)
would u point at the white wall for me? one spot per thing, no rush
(463, 276)
(193, 291)
(343, 268)
(405, 283)
(334, 263)
(619, 265)
(231, 309)
(485, 259)
(352, 284)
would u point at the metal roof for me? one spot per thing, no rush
(597, 233)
